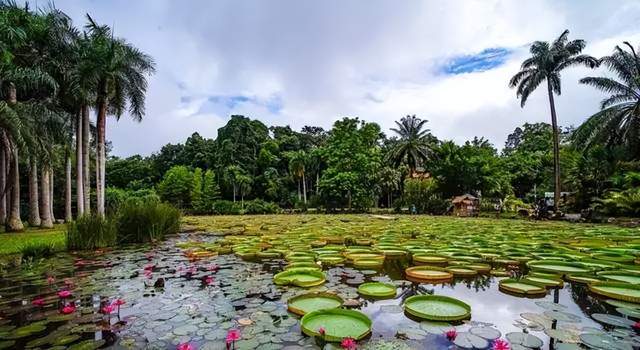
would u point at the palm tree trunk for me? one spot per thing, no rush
(234, 193)
(3, 185)
(79, 166)
(14, 222)
(100, 156)
(45, 207)
(299, 195)
(53, 217)
(86, 175)
(68, 217)
(556, 150)
(388, 199)
(34, 210)
(304, 188)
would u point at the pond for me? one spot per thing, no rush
(195, 287)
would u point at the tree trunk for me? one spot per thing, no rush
(234, 193)
(304, 188)
(299, 195)
(86, 159)
(14, 223)
(68, 217)
(53, 217)
(45, 207)
(388, 199)
(34, 209)
(79, 166)
(3, 186)
(556, 150)
(100, 155)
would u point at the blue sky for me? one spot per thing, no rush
(311, 63)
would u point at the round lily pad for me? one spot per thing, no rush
(437, 308)
(617, 290)
(612, 320)
(524, 339)
(337, 323)
(426, 274)
(367, 263)
(300, 276)
(488, 333)
(462, 271)
(548, 282)
(621, 276)
(623, 304)
(523, 287)
(556, 266)
(603, 341)
(377, 290)
(305, 303)
(467, 340)
(430, 259)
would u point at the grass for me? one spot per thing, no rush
(13, 243)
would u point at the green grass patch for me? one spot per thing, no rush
(13, 243)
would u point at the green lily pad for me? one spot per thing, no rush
(621, 276)
(7, 344)
(524, 287)
(562, 316)
(612, 320)
(300, 276)
(603, 341)
(377, 290)
(488, 333)
(623, 304)
(26, 331)
(437, 308)
(617, 290)
(337, 323)
(524, 339)
(426, 274)
(66, 339)
(557, 266)
(435, 327)
(634, 313)
(306, 303)
(470, 341)
(87, 345)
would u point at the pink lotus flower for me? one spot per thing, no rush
(233, 335)
(185, 346)
(68, 309)
(118, 302)
(64, 294)
(209, 280)
(149, 266)
(451, 334)
(322, 331)
(348, 343)
(108, 309)
(38, 302)
(213, 267)
(500, 344)
(51, 280)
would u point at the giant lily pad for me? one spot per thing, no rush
(301, 277)
(377, 290)
(524, 287)
(525, 339)
(557, 266)
(426, 274)
(437, 308)
(617, 290)
(337, 323)
(305, 303)
(466, 340)
(621, 276)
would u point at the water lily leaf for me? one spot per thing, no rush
(488, 333)
(562, 316)
(603, 341)
(467, 340)
(7, 344)
(547, 305)
(563, 335)
(88, 345)
(524, 339)
(634, 313)
(612, 320)
(64, 340)
(434, 327)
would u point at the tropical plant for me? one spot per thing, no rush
(618, 121)
(414, 146)
(546, 63)
(91, 232)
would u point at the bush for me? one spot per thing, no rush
(259, 206)
(226, 208)
(140, 220)
(91, 232)
(115, 197)
(38, 250)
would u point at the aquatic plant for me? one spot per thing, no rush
(63, 294)
(348, 343)
(451, 334)
(146, 221)
(500, 344)
(38, 302)
(68, 309)
(91, 232)
(185, 346)
(233, 335)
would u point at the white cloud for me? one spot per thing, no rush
(379, 60)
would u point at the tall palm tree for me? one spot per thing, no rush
(618, 121)
(545, 64)
(119, 72)
(415, 143)
(297, 167)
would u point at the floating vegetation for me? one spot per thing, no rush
(305, 303)
(377, 290)
(437, 308)
(336, 324)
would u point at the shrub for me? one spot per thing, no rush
(141, 220)
(226, 208)
(176, 186)
(91, 232)
(115, 197)
(38, 250)
(259, 206)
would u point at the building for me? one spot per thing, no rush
(465, 205)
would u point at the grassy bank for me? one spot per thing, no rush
(12, 242)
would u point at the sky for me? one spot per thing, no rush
(293, 62)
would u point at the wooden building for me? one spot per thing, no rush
(465, 205)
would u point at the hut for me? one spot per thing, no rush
(465, 205)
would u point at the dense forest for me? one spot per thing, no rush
(54, 161)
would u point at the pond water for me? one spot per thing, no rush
(171, 298)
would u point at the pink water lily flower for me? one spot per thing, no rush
(213, 267)
(119, 302)
(68, 309)
(209, 280)
(108, 309)
(348, 343)
(51, 280)
(500, 344)
(322, 331)
(636, 326)
(233, 335)
(185, 346)
(451, 334)
(38, 302)
(64, 294)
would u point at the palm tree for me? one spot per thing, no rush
(389, 181)
(119, 71)
(297, 167)
(545, 64)
(618, 122)
(415, 144)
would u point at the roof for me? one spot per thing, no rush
(462, 198)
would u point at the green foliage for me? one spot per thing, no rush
(146, 220)
(258, 206)
(424, 195)
(197, 198)
(415, 144)
(38, 250)
(115, 197)
(131, 173)
(91, 232)
(353, 158)
(620, 203)
(222, 207)
(176, 186)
